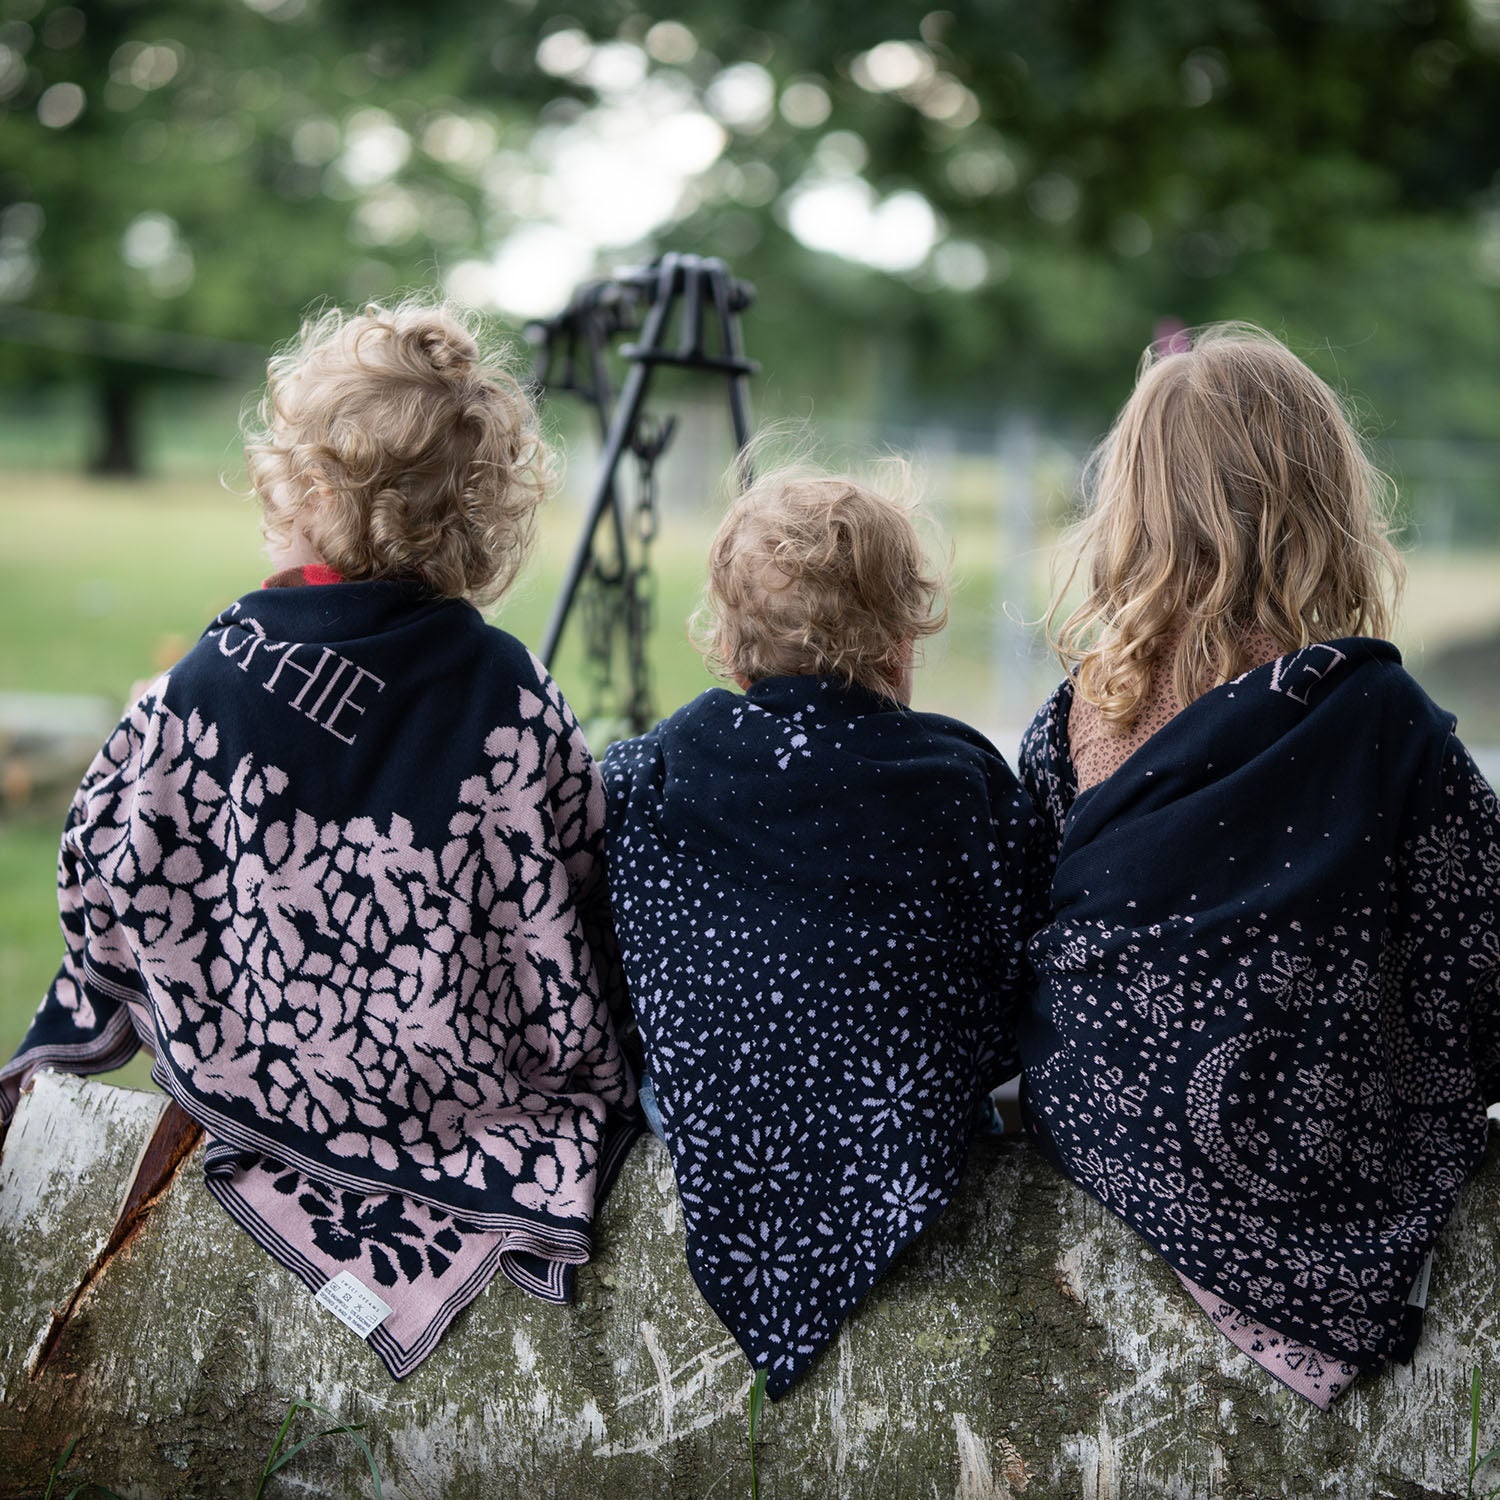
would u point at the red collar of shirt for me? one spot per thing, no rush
(296, 578)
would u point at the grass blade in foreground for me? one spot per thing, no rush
(1478, 1460)
(276, 1459)
(78, 1489)
(757, 1400)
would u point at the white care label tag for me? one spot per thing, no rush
(1418, 1297)
(352, 1302)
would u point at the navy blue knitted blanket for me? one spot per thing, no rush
(1268, 1017)
(822, 901)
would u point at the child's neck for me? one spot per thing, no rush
(300, 576)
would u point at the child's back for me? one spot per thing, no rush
(821, 902)
(1266, 1026)
(339, 869)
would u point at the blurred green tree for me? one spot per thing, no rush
(1086, 171)
(180, 180)
(984, 206)
(1012, 200)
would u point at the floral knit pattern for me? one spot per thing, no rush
(286, 987)
(822, 902)
(1266, 1031)
(387, 978)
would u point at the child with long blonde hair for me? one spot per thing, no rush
(1267, 1024)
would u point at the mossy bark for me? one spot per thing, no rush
(1029, 1344)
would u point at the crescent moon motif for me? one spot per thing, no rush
(1204, 1090)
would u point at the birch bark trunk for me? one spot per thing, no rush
(1030, 1345)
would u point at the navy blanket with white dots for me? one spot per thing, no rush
(822, 900)
(1268, 1016)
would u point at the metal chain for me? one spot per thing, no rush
(618, 603)
(650, 441)
(597, 596)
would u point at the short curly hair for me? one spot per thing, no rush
(401, 448)
(818, 575)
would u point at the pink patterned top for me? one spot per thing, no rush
(340, 872)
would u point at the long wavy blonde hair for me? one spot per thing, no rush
(1232, 500)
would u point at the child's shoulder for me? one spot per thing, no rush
(955, 734)
(715, 707)
(1360, 676)
(954, 758)
(498, 660)
(1401, 690)
(511, 653)
(1046, 737)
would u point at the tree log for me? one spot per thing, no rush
(1029, 1344)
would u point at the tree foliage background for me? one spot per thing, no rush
(952, 214)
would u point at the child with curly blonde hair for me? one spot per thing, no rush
(822, 899)
(1267, 1023)
(340, 871)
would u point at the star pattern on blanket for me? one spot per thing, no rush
(822, 931)
(1310, 1064)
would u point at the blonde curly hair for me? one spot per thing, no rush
(400, 449)
(1232, 499)
(813, 574)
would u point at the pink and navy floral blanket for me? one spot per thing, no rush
(340, 872)
(1268, 1020)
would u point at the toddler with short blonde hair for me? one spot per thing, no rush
(819, 575)
(390, 445)
(822, 898)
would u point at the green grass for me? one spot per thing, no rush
(186, 427)
(757, 1401)
(1478, 1462)
(280, 1455)
(82, 1487)
(278, 1458)
(103, 583)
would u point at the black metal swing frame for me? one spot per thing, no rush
(699, 297)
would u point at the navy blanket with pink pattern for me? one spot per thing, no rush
(1268, 1020)
(339, 871)
(823, 900)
